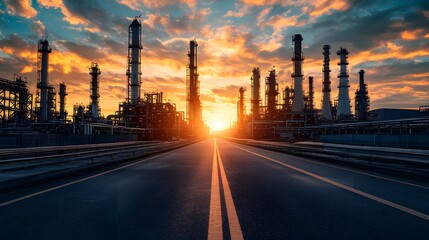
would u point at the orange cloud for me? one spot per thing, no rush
(27, 69)
(320, 7)
(68, 16)
(7, 50)
(409, 35)
(21, 8)
(311, 7)
(138, 5)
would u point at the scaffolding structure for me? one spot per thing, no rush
(287, 99)
(94, 107)
(310, 104)
(255, 100)
(15, 101)
(362, 99)
(193, 103)
(134, 61)
(297, 75)
(45, 97)
(326, 102)
(241, 111)
(271, 94)
(62, 93)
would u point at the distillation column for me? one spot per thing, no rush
(43, 51)
(298, 58)
(271, 94)
(240, 107)
(310, 93)
(63, 94)
(134, 61)
(193, 88)
(95, 73)
(326, 102)
(362, 99)
(343, 92)
(256, 91)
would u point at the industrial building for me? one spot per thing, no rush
(140, 116)
(296, 118)
(287, 114)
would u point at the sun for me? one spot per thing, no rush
(217, 125)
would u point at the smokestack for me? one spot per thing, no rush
(310, 93)
(326, 103)
(43, 51)
(95, 73)
(343, 110)
(271, 93)
(362, 99)
(362, 80)
(256, 90)
(298, 58)
(193, 105)
(134, 61)
(240, 106)
(63, 94)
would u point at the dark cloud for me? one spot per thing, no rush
(399, 100)
(229, 91)
(116, 91)
(362, 27)
(281, 53)
(88, 52)
(395, 71)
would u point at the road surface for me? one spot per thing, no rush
(215, 189)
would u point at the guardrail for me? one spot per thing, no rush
(410, 158)
(45, 151)
(15, 172)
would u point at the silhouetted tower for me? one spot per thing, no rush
(95, 73)
(343, 110)
(326, 102)
(240, 107)
(256, 93)
(63, 93)
(298, 58)
(134, 60)
(16, 95)
(362, 99)
(43, 50)
(271, 93)
(288, 99)
(193, 103)
(310, 93)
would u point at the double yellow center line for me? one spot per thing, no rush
(215, 218)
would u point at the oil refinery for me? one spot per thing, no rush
(296, 119)
(140, 116)
(287, 114)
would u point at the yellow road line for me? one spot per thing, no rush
(234, 224)
(364, 194)
(215, 216)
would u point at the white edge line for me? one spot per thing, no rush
(350, 170)
(364, 194)
(73, 182)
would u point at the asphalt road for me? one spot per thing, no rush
(218, 189)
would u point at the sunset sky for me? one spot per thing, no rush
(389, 39)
